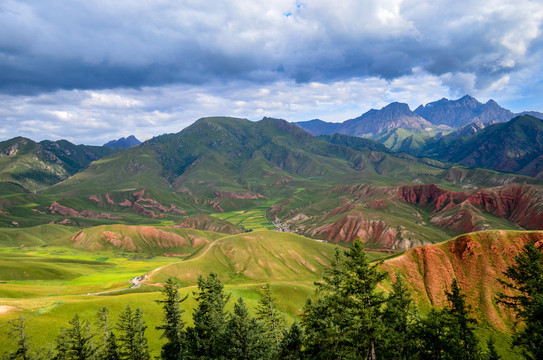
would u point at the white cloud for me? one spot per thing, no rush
(109, 100)
(152, 67)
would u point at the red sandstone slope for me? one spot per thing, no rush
(520, 204)
(408, 216)
(476, 260)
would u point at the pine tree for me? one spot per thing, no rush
(526, 284)
(491, 353)
(62, 345)
(132, 340)
(463, 323)
(433, 334)
(173, 325)
(344, 321)
(111, 351)
(290, 347)
(106, 338)
(18, 331)
(245, 338)
(448, 333)
(270, 315)
(75, 342)
(204, 339)
(399, 318)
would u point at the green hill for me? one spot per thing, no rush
(404, 140)
(258, 256)
(19, 267)
(32, 166)
(142, 239)
(34, 236)
(515, 146)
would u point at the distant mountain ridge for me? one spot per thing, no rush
(34, 166)
(462, 112)
(393, 116)
(436, 116)
(123, 142)
(515, 146)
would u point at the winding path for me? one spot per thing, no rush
(136, 283)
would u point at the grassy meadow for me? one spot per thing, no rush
(254, 219)
(51, 280)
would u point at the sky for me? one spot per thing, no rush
(92, 71)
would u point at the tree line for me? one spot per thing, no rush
(347, 318)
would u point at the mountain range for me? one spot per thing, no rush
(462, 112)
(436, 202)
(431, 118)
(331, 187)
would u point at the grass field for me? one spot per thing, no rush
(257, 256)
(48, 285)
(57, 271)
(254, 219)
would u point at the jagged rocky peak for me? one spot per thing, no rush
(462, 112)
(123, 142)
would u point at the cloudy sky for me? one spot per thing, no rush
(91, 71)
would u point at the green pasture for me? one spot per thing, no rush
(253, 219)
(60, 271)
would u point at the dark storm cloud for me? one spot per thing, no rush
(53, 44)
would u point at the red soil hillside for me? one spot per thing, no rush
(398, 218)
(520, 204)
(476, 260)
(146, 239)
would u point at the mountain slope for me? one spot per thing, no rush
(393, 116)
(476, 260)
(461, 112)
(515, 146)
(34, 166)
(397, 218)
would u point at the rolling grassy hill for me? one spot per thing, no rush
(17, 267)
(34, 236)
(258, 256)
(142, 239)
(157, 240)
(245, 262)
